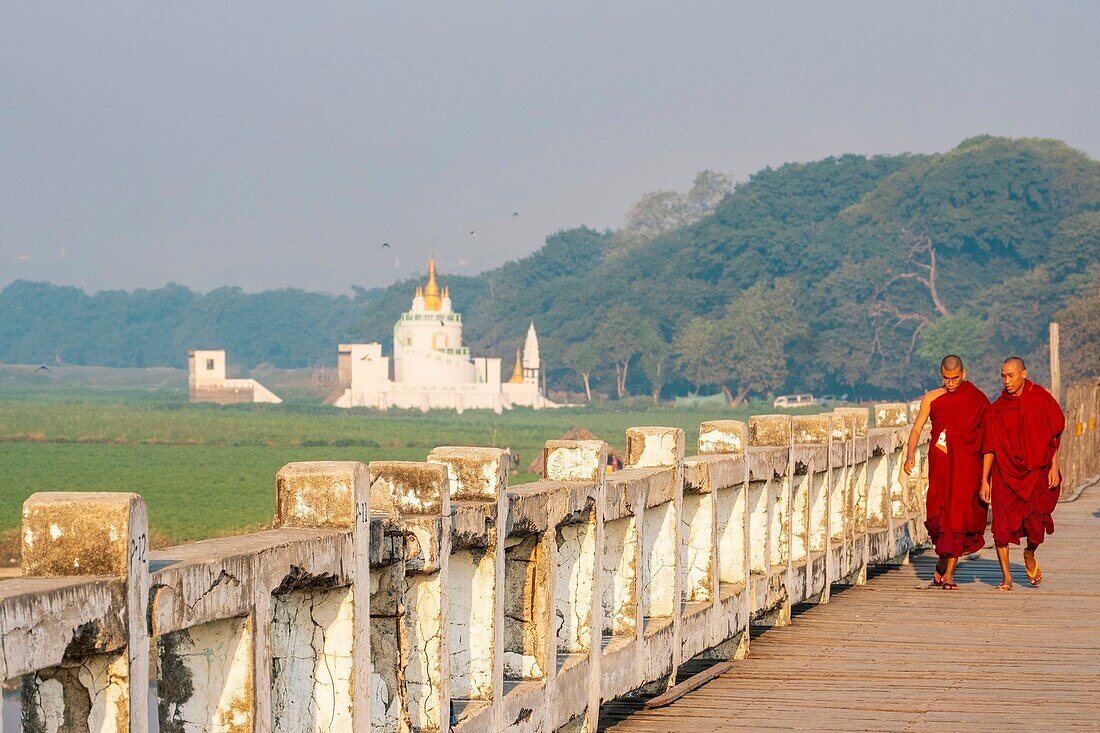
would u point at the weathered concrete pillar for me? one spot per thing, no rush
(811, 438)
(420, 493)
(100, 686)
(720, 472)
(659, 578)
(770, 437)
(858, 418)
(478, 479)
(319, 631)
(899, 485)
(648, 447)
(577, 592)
(729, 438)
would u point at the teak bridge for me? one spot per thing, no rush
(406, 596)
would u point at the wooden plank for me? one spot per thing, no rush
(691, 683)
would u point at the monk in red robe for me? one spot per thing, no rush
(1021, 457)
(956, 514)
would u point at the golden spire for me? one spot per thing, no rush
(517, 373)
(432, 300)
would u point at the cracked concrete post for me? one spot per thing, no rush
(421, 497)
(85, 534)
(811, 437)
(478, 479)
(660, 585)
(730, 437)
(774, 431)
(305, 663)
(896, 415)
(579, 561)
(858, 423)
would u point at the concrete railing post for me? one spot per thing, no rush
(812, 457)
(661, 451)
(100, 680)
(770, 446)
(574, 699)
(720, 472)
(893, 418)
(858, 418)
(478, 479)
(320, 633)
(421, 499)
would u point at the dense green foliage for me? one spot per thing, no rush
(888, 262)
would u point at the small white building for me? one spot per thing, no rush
(432, 369)
(206, 381)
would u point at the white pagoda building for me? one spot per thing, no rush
(432, 369)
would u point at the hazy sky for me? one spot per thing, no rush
(271, 144)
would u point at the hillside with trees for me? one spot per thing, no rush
(850, 274)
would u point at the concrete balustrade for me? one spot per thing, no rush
(427, 596)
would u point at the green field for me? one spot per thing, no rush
(207, 470)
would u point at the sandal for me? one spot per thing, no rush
(937, 579)
(1004, 587)
(947, 585)
(1036, 577)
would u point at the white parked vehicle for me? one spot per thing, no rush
(793, 400)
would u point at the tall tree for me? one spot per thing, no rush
(755, 333)
(655, 358)
(618, 338)
(696, 351)
(583, 358)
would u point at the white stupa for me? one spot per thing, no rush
(431, 367)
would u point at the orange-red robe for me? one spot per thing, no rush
(956, 514)
(1023, 434)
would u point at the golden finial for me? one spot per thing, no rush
(432, 301)
(517, 373)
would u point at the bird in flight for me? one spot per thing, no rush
(472, 232)
(515, 214)
(385, 245)
(42, 368)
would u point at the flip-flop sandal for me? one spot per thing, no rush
(950, 586)
(1003, 587)
(1036, 577)
(937, 579)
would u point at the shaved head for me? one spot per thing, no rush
(951, 363)
(1013, 375)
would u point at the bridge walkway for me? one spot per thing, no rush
(896, 655)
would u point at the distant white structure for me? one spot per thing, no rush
(206, 381)
(431, 367)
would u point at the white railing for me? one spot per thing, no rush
(475, 605)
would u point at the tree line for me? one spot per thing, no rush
(849, 274)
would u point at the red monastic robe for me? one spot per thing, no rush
(956, 514)
(1023, 434)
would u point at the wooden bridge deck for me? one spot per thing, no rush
(894, 656)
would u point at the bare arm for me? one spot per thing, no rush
(987, 465)
(914, 434)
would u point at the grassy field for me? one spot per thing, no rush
(208, 470)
